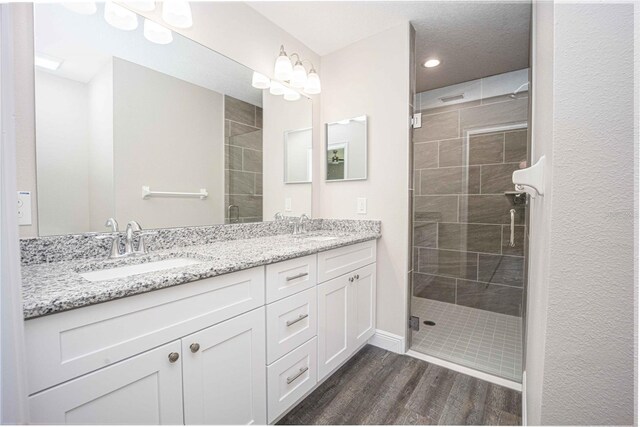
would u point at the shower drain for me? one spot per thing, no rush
(429, 323)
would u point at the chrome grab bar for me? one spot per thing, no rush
(296, 376)
(297, 276)
(293, 322)
(512, 238)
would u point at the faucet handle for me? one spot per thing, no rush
(142, 247)
(113, 224)
(115, 243)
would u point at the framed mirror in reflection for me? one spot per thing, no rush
(346, 149)
(170, 135)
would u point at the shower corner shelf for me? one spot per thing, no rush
(531, 179)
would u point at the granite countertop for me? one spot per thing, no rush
(54, 287)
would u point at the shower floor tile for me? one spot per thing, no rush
(479, 339)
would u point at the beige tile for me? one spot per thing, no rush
(488, 209)
(233, 157)
(486, 148)
(470, 237)
(448, 263)
(450, 153)
(250, 206)
(438, 126)
(496, 179)
(234, 129)
(515, 146)
(436, 208)
(251, 140)
(496, 298)
(434, 287)
(501, 269)
(425, 155)
(238, 182)
(453, 180)
(239, 111)
(425, 234)
(252, 161)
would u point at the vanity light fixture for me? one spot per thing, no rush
(291, 95)
(276, 88)
(283, 70)
(430, 63)
(312, 87)
(177, 13)
(156, 33)
(119, 17)
(260, 81)
(47, 62)
(299, 75)
(141, 5)
(83, 8)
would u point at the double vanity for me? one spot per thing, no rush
(233, 331)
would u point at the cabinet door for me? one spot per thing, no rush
(333, 328)
(362, 305)
(145, 389)
(224, 372)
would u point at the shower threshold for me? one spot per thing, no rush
(478, 339)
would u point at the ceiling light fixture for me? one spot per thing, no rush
(260, 81)
(119, 17)
(47, 62)
(141, 5)
(430, 63)
(156, 33)
(177, 13)
(83, 8)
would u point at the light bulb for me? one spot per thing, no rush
(276, 88)
(260, 81)
(83, 8)
(141, 5)
(177, 13)
(431, 63)
(283, 69)
(312, 87)
(291, 95)
(156, 33)
(119, 17)
(299, 77)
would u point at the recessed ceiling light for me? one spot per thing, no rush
(47, 62)
(430, 63)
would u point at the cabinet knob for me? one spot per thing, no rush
(351, 279)
(173, 357)
(194, 347)
(357, 276)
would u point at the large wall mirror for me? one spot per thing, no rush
(167, 134)
(346, 149)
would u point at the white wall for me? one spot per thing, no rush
(580, 349)
(278, 117)
(169, 135)
(101, 190)
(384, 97)
(63, 152)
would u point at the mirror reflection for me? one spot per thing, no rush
(346, 149)
(167, 134)
(298, 157)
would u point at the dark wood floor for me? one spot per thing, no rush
(379, 387)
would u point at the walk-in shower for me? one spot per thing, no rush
(469, 228)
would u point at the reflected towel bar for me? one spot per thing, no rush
(146, 193)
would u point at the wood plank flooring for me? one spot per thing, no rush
(380, 387)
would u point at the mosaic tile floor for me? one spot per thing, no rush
(479, 339)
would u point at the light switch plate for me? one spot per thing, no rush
(287, 204)
(417, 120)
(362, 205)
(24, 207)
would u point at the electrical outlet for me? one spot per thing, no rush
(417, 120)
(362, 205)
(287, 204)
(24, 207)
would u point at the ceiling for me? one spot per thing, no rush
(472, 39)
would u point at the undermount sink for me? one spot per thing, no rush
(131, 270)
(320, 238)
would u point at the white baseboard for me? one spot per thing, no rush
(467, 371)
(388, 341)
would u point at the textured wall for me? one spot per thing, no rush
(587, 372)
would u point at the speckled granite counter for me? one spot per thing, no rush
(57, 286)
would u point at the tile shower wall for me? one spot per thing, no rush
(461, 253)
(243, 161)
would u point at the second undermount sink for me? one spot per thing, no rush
(131, 270)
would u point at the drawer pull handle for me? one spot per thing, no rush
(296, 376)
(293, 322)
(173, 357)
(297, 276)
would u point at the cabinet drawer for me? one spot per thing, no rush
(337, 262)
(72, 343)
(291, 322)
(145, 389)
(290, 378)
(289, 277)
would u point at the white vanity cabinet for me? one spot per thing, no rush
(240, 348)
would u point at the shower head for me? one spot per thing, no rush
(514, 95)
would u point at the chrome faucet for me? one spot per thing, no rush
(129, 250)
(300, 225)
